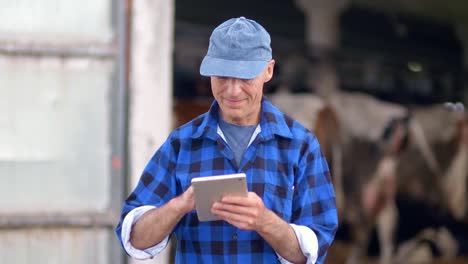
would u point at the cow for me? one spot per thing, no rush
(436, 181)
(378, 150)
(350, 129)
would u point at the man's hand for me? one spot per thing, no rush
(248, 213)
(185, 202)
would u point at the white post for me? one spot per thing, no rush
(151, 85)
(322, 39)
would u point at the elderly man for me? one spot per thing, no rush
(289, 214)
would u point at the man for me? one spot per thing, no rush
(289, 213)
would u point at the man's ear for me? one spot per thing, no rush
(269, 71)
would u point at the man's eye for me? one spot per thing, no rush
(222, 78)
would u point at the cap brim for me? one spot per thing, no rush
(211, 66)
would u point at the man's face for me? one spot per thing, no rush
(240, 99)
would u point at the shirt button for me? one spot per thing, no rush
(234, 237)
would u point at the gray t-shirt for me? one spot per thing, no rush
(237, 137)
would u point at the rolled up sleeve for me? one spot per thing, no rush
(130, 219)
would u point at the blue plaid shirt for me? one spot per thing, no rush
(284, 166)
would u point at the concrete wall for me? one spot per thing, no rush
(60, 67)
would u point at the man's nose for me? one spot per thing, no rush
(234, 86)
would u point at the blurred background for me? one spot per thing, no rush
(90, 89)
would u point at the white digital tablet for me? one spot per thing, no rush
(209, 189)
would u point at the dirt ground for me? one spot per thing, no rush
(339, 250)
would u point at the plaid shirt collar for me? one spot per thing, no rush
(272, 122)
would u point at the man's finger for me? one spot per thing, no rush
(236, 199)
(229, 207)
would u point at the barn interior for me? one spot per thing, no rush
(408, 53)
